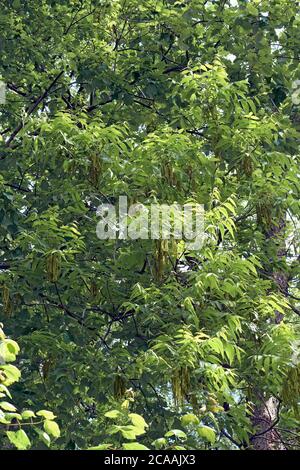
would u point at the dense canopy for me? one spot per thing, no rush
(148, 343)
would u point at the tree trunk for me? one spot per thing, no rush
(266, 411)
(264, 419)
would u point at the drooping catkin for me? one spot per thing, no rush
(119, 387)
(95, 169)
(53, 266)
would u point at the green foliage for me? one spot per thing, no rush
(166, 102)
(131, 426)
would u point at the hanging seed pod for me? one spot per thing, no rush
(119, 387)
(7, 305)
(185, 380)
(160, 258)
(5, 294)
(165, 171)
(180, 385)
(247, 165)
(46, 366)
(264, 210)
(194, 403)
(95, 169)
(94, 290)
(192, 181)
(175, 181)
(264, 213)
(53, 266)
(168, 174)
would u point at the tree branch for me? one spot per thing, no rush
(32, 109)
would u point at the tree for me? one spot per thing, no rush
(169, 102)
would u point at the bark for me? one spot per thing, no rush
(265, 418)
